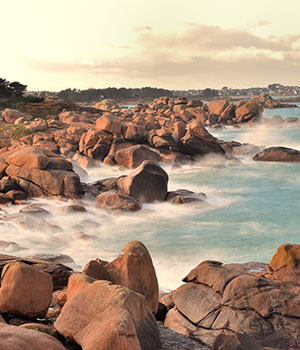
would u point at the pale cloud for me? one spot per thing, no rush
(198, 57)
(140, 29)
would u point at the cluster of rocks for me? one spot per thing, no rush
(109, 305)
(167, 130)
(115, 305)
(219, 302)
(268, 102)
(28, 171)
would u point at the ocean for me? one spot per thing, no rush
(251, 209)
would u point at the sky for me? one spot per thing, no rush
(191, 44)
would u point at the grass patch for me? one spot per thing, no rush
(15, 132)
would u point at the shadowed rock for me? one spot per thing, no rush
(147, 183)
(278, 154)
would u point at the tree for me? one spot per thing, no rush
(14, 89)
(17, 88)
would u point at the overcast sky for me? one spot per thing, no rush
(191, 44)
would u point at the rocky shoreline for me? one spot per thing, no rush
(115, 305)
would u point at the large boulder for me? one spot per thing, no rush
(198, 141)
(11, 115)
(278, 154)
(217, 106)
(147, 183)
(121, 314)
(18, 338)
(112, 200)
(285, 264)
(40, 172)
(132, 157)
(248, 111)
(25, 290)
(109, 123)
(134, 269)
(253, 299)
(95, 144)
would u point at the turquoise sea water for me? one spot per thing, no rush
(251, 209)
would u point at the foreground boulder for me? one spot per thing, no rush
(17, 338)
(278, 154)
(147, 183)
(25, 290)
(103, 316)
(59, 272)
(40, 172)
(255, 299)
(133, 269)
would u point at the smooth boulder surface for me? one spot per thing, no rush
(109, 123)
(134, 156)
(278, 154)
(134, 269)
(147, 183)
(19, 338)
(40, 172)
(121, 314)
(115, 201)
(25, 290)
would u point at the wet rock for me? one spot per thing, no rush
(134, 156)
(34, 210)
(117, 201)
(182, 196)
(147, 183)
(73, 208)
(198, 141)
(278, 154)
(25, 290)
(123, 314)
(4, 199)
(18, 338)
(16, 195)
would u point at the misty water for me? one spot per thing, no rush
(251, 208)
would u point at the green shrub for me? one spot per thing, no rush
(15, 132)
